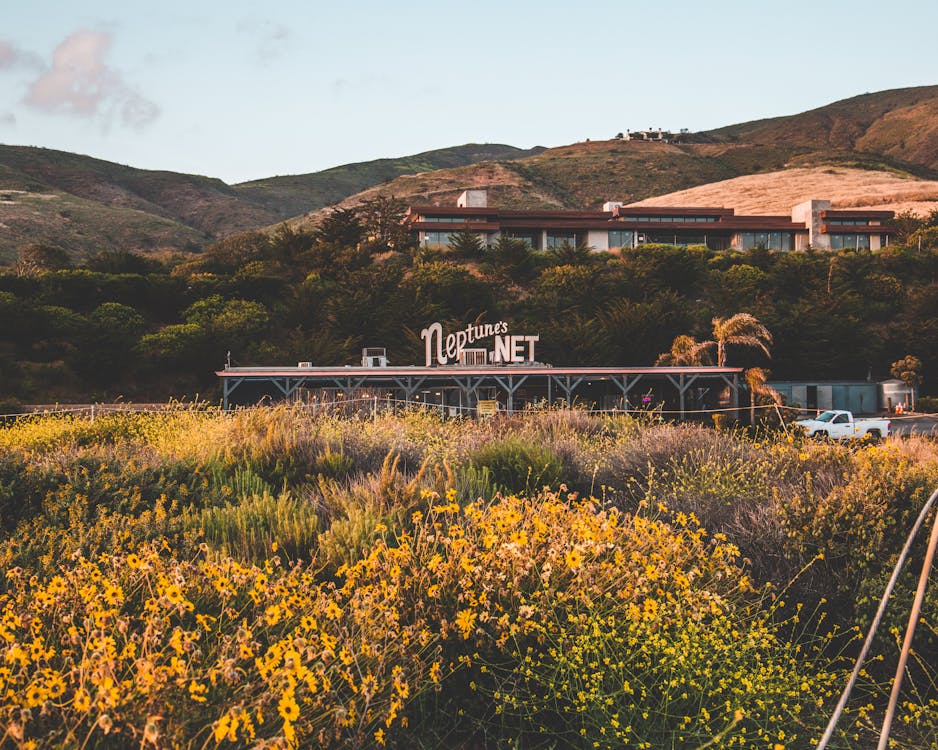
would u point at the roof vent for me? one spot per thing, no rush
(374, 357)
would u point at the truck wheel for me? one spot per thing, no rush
(874, 435)
(821, 435)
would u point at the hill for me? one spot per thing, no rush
(777, 192)
(891, 132)
(91, 204)
(296, 194)
(85, 204)
(901, 124)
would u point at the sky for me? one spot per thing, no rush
(245, 90)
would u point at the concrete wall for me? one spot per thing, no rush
(473, 199)
(598, 239)
(810, 213)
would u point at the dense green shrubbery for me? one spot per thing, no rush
(573, 614)
(516, 464)
(292, 297)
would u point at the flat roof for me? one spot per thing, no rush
(458, 370)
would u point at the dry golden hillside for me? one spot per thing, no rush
(777, 192)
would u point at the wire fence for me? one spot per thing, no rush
(373, 406)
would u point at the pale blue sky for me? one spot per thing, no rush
(243, 90)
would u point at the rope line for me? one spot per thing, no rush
(880, 611)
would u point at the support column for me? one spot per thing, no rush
(682, 384)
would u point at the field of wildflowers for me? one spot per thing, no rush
(267, 578)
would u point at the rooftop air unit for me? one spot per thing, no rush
(374, 357)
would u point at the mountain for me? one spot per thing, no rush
(894, 132)
(85, 204)
(901, 124)
(295, 194)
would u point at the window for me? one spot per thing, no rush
(528, 239)
(848, 241)
(849, 222)
(674, 219)
(621, 238)
(768, 240)
(556, 239)
(672, 238)
(437, 238)
(445, 219)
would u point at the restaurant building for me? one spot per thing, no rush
(482, 369)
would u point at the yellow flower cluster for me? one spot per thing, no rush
(144, 649)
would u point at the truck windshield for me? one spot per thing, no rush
(827, 416)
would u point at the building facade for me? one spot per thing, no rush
(811, 224)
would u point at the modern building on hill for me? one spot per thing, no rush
(811, 224)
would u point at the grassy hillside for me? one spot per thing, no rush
(83, 227)
(89, 203)
(202, 203)
(296, 194)
(900, 123)
(777, 192)
(890, 131)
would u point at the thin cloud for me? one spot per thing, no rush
(12, 56)
(80, 83)
(270, 39)
(343, 86)
(7, 119)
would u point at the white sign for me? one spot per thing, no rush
(444, 350)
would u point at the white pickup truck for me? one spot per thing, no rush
(840, 425)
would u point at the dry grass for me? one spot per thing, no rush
(777, 192)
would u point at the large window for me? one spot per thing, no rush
(848, 241)
(556, 239)
(528, 239)
(671, 238)
(768, 240)
(849, 222)
(621, 238)
(444, 219)
(437, 238)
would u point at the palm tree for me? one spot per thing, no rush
(757, 380)
(685, 350)
(741, 329)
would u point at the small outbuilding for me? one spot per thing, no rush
(893, 392)
(858, 396)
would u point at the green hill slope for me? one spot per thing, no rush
(887, 131)
(87, 204)
(296, 194)
(202, 203)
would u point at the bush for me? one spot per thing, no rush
(256, 526)
(518, 464)
(927, 404)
